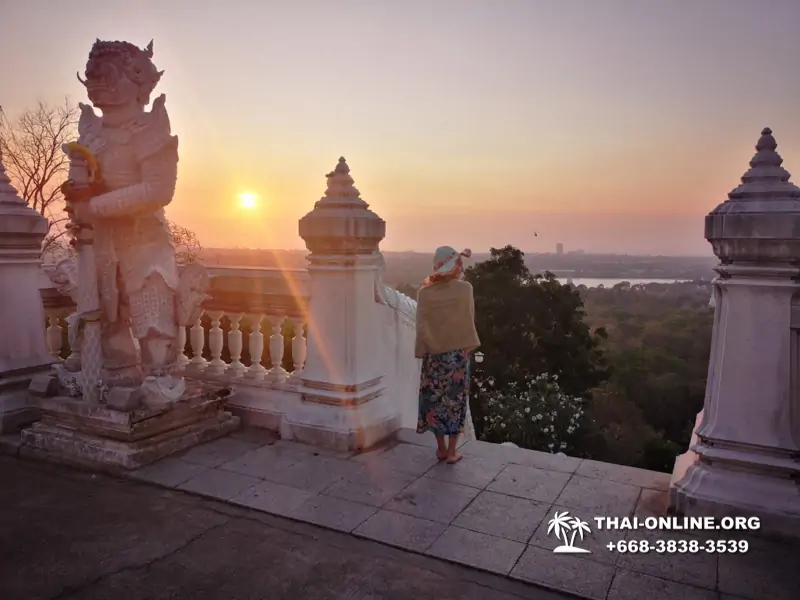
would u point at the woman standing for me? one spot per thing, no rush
(445, 337)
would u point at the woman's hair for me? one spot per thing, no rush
(439, 277)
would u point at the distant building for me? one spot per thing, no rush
(559, 248)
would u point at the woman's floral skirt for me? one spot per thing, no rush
(444, 393)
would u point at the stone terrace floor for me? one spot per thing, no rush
(489, 512)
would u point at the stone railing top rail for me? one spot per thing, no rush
(259, 290)
(233, 289)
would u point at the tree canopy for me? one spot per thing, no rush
(532, 324)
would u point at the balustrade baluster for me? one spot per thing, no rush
(183, 360)
(236, 367)
(256, 346)
(197, 338)
(276, 348)
(215, 343)
(54, 333)
(299, 348)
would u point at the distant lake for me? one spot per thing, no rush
(597, 282)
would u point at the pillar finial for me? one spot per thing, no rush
(341, 222)
(8, 193)
(766, 178)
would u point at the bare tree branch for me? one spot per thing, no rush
(31, 148)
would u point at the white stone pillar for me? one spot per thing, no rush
(344, 405)
(747, 445)
(23, 346)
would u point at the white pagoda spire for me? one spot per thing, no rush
(340, 190)
(766, 179)
(8, 193)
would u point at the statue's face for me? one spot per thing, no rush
(108, 86)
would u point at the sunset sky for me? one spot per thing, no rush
(608, 125)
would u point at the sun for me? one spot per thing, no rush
(248, 200)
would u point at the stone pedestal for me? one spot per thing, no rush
(74, 431)
(748, 444)
(343, 402)
(23, 350)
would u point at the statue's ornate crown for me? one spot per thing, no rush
(136, 63)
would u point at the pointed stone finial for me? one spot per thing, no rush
(766, 178)
(340, 185)
(760, 220)
(341, 222)
(8, 193)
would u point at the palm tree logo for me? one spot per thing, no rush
(566, 528)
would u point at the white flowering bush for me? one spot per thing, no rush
(534, 414)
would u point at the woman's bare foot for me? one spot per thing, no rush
(441, 449)
(451, 460)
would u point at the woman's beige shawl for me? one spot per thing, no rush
(445, 318)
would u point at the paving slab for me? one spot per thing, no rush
(624, 474)
(470, 471)
(567, 572)
(255, 435)
(530, 482)
(628, 585)
(292, 446)
(434, 500)
(272, 497)
(217, 452)
(698, 569)
(652, 503)
(503, 516)
(522, 456)
(475, 549)
(409, 458)
(401, 530)
(313, 473)
(334, 513)
(220, 484)
(370, 487)
(262, 461)
(598, 498)
(170, 472)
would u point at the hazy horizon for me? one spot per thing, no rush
(608, 126)
(478, 252)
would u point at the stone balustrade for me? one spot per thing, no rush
(251, 312)
(252, 331)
